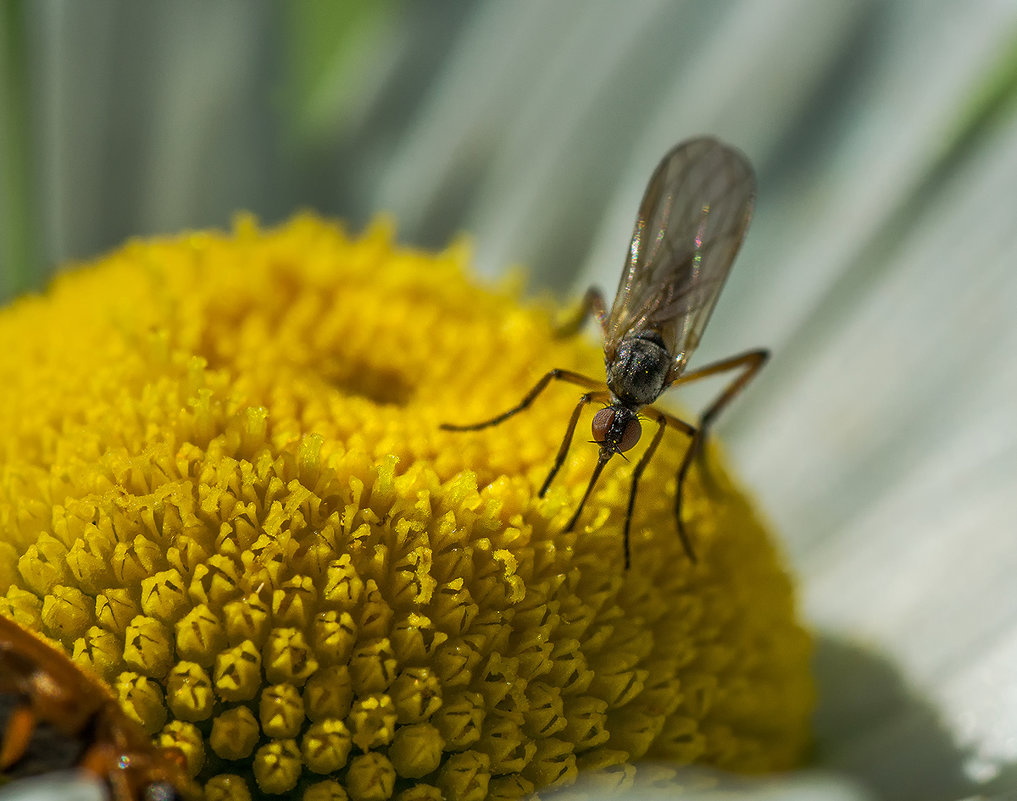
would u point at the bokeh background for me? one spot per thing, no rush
(881, 266)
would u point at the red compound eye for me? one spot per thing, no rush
(602, 424)
(606, 423)
(630, 436)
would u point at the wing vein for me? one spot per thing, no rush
(690, 225)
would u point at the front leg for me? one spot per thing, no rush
(540, 386)
(563, 450)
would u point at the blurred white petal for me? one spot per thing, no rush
(658, 783)
(806, 786)
(55, 787)
(743, 81)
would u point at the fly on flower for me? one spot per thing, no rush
(53, 716)
(690, 225)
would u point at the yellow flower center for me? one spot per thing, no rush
(224, 489)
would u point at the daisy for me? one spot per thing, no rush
(878, 270)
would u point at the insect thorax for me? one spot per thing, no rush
(639, 371)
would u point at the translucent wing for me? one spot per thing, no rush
(690, 225)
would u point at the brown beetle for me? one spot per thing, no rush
(45, 695)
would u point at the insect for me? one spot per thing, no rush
(690, 224)
(50, 705)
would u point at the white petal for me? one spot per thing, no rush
(55, 787)
(653, 783)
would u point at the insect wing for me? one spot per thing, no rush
(690, 225)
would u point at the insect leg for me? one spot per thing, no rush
(601, 461)
(107, 763)
(751, 363)
(663, 418)
(17, 735)
(636, 474)
(593, 301)
(99, 760)
(566, 442)
(540, 386)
